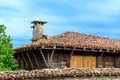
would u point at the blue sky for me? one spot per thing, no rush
(96, 17)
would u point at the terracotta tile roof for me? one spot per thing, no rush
(55, 73)
(75, 39)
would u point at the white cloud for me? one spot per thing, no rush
(16, 4)
(21, 12)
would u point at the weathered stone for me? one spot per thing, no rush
(38, 30)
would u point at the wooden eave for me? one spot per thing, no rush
(68, 48)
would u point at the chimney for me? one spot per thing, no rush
(37, 29)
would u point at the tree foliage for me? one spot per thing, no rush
(7, 61)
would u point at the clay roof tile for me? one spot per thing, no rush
(73, 39)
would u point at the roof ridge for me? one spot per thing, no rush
(90, 35)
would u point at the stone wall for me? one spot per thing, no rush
(63, 74)
(81, 78)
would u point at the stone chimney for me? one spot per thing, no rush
(37, 29)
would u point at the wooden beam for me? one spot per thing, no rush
(84, 48)
(102, 54)
(48, 58)
(18, 59)
(114, 50)
(71, 55)
(42, 46)
(108, 50)
(51, 57)
(72, 52)
(24, 60)
(118, 60)
(29, 60)
(35, 58)
(44, 58)
(21, 62)
(54, 47)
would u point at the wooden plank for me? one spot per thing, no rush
(117, 61)
(26, 64)
(19, 60)
(99, 65)
(109, 58)
(102, 54)
(64, 60)
(73, 62)
(72, 52)
(35, 58)
(70, 59)
(109, 61)
(99, 62)
(80, 61)
(109, 64)
(48, 58)
(89, 62)
(51, 57)
(29, 60)
(44, 58)
(76, 61)
(93, 62)
(56, 61)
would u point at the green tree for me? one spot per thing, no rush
(7, 61)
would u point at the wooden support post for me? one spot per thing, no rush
(29, 60)
(24, 60)
(72, 52)
(18, 59)
(108, 50)
(101, 59)
(44, 58)
(102, 54)
(118, 60)
(84, 48)
(71, 55)
(21, 62)
(100, 50)
(36, 61)
(48, 58)
(51, 57)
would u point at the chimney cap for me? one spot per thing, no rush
(36, 21)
